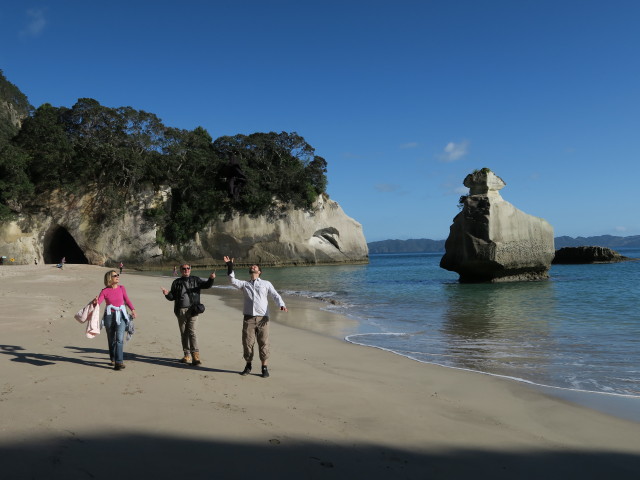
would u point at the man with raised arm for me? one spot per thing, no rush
(185, 292)
(256, 314)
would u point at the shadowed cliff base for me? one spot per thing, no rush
(142, 456)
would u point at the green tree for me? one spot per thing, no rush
(280, 166)
(43, 136)
(196, 193)
(15, 186)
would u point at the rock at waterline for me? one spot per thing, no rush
(580, 255)
(490, 240)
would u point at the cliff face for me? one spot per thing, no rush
(325, 235)
(66, 226)
(490, 240)
(11, 115)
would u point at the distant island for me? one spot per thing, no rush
(425, 245)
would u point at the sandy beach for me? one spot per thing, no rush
(330, 410)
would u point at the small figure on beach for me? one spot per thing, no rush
(62, 262)
(116, 319)
(255, 325)
(175, 271)
(121, 267)
(185, 292)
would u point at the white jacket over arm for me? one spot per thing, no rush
(91, 316)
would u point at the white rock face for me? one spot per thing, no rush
(325, 235)
(490, 240)
(9, 109)
(67, 226)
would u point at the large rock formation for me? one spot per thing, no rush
(490, 240)
(67, 226)
(324, 235)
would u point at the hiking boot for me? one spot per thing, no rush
(196, 358)
(119, 366)
(247, 370)
(265, 372)
(186, 359)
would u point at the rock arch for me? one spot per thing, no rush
(59, 243)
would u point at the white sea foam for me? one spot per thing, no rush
(414, 356)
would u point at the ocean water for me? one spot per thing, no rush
(580, 330)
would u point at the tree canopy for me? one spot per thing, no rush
(117, 151)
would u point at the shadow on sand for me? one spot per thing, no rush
(160, 457)
(94, 357)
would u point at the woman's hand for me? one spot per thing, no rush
(95, 301)
(133, 313)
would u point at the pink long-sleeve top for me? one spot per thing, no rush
(115, 296)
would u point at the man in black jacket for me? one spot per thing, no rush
(185, 293)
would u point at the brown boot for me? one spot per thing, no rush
(196, 358)
(186, 358)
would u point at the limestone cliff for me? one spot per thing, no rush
(66, 225)
(324, 235)
(490, 240)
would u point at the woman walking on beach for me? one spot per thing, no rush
(116, 318)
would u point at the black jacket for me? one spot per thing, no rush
(189, 285)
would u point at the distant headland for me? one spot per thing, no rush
(425, 245)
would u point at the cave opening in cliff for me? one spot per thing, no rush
(59, 243)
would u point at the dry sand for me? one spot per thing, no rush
(330, 410)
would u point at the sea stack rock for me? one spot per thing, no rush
(490, 240)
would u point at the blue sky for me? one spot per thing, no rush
(402, 98)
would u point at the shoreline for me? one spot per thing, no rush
(329, 410)
(623, 406)
(336, 324)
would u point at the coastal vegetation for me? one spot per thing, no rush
(116, 152)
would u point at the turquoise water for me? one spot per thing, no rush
(579, 330)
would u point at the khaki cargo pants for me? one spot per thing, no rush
(255, 328)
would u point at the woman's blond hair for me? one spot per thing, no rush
(108, 279)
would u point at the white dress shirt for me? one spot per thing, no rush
(256, 301)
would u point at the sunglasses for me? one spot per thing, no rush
(115, 275)
(188, 268)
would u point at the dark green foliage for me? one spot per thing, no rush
(43, 135)
(115, 152)
(278, 166)
(15, 186)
